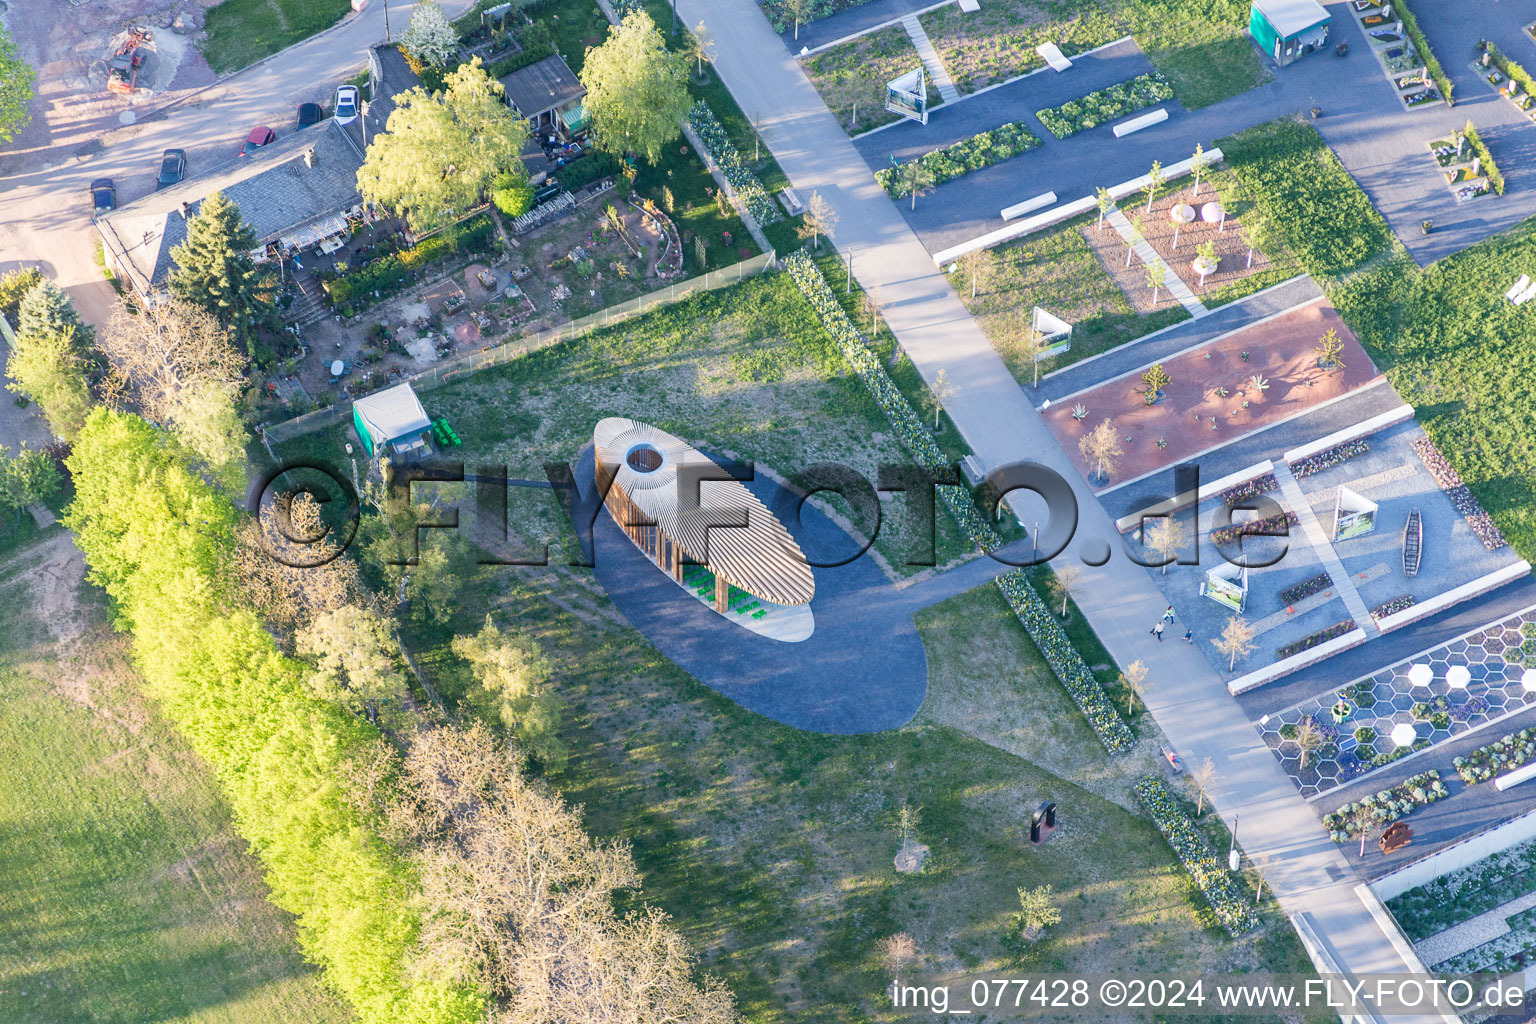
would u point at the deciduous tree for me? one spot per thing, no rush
(820, 217)
(16, 81)
(636, 89)
(1064, 577)
(441, 154)
(1236, 640)
(357, 661)
(1166, 536)
(429, 37)
(1154, 185)
(30, 476)
(1037, 912)
(700, 47)
(1137, 683)
(1308, 738)
(1204, 776)
(897, 950)
(52, 367)
(514, 678)
(1100, 448)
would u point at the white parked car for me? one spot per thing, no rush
(346, 104)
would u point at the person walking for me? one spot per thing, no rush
(1189, 636)
(1157, 630)
(1168, 614)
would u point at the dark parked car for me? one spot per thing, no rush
(310, 113)
(103, 195)
(173, 167)
(260, 136)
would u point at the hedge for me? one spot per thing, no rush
(1511, 69)
(1045, 630)
(1480, 150)
(909, 427)
(518, 61)
(967, 155)
(1500, 756)
(1310, 641)
(1219, 886)
(759, 203)
(1416, 36)
(1255, 527)
(580, 173)
(1105, 105)
(1388, 805)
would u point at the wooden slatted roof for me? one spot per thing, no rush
(760, 558)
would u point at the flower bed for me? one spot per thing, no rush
(965, 156)
(1220, 886)
(1392, 607)
(1388, 805)
(1044, 629)
(1306, 588)
(1235, 496)
(1105, 105)
(1464, 894)
(1416, 36)
(392, 272)
(1306, 643)
(781, 14)
(1513, 71)
(1496, 758)
(1328, 458)
(759, 203)
(1268, 526)
(911, 430)
(1460, 494)
(1485, 160)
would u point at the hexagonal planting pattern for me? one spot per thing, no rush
(1390, 699)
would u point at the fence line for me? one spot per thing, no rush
(444, 370)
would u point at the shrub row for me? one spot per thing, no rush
(1236, 495)
(909, 427)
(967, 155)
(1220, 888)
(1460, 494)
(1306, 643)
(1269, 525)
(1328, 458)
(781, 13)
(1512, 70)
(583, 172)
(1498, 757)
(392, 272)
(759, 203)
(1045, 630)
(518, 61)
(1392, 607)
(1416, 36)
(1105, 105)
(159, 539)
(1388, 805)
(1306, 588)
(1480, 150)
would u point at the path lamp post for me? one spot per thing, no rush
(849, 289)
(1233, 858)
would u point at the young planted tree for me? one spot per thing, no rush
(442, 153)
(1154, 185)
(1132, 239)
(514, 678)
(1361, 820)
(1236, 640)
(1137, 683)
(1037, 912)
(1063, 579)
(1167, 536)
(796, 10)
(637, 89)
(820, 217)
(897, 950)
(16, 81)
(1308, 738)
(853, 88)
(430, 37)
(1197, 166)
(1206, 260)
(908, 820)
(975, 266)
(871, 307)
(1204, 777)
(700, 47)
(1254, 227)
(1105, 203)
(1261, 865)
(1037, 345)
(1100, 447)
(915, 178)
(1330, 348)
(937, 394)
(357, 661)
(1155, 274)
(52, 368)
(1153, 381)
(214, 270)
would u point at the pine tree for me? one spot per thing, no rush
(45, 307)
(214, 270)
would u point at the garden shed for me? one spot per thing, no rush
(1288, 30)
(391, 422)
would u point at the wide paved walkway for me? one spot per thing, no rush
(1308, 872)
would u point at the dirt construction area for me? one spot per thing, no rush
(71, 43)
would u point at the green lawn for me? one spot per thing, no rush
(241, 32)
(772, 847)
(127, 895)
(873, 59)
(1201, 45)
(1058, 271)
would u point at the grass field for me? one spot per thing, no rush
(872, 59)
(127, 896)
(1201, 45)
(772, 847)
(241, 32)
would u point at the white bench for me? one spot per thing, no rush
(790, 200)
(1136, 124)
(1514, 778)
(969, 6)
(1053, 56)
(1020, 209)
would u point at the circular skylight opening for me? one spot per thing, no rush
(643, 458)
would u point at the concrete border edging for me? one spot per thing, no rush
(1463, 853)
(1364, 428)
(1311, 655)
(1209, 490)
(1454, 596)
